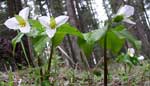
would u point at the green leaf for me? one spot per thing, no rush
(134, 60)
(136, 43)
(124, 58)
(118, 18)
(67, 29)
(16, 40)
(87, 47)
(58, 38)
(62, 31)
(114, 43)
(46, 83)
(39, 43)
(116, 38)
(36, 25)
(87, 43)
(95, 35)
(37, 28)
(117, 30)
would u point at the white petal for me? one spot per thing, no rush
(45, 21)
(50, 32)
(25, 29)
(129, 21)
(126, 10)
(11, 23)
(24, 13)
(60, 20)
(131, 52)
(141, 58)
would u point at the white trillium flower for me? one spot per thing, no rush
(141, 57)
(126, 11)
(51, 24)
(19, 21)
(131, 52)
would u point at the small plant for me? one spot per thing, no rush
(129, 59)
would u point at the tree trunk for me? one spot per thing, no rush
(75, 51)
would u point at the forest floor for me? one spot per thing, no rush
(65, 76)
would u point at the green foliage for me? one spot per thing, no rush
(90, 38)
(39, 38)
(2, 83)
(10, 77)
(116, 38)
(124, 58)
(37, 28)
(124, 33)
(68, 29)
(36, 25)
(62, 31)
(97, 73)
(16, 40)
(114, 42)
(39, 43)
(46, 83)
(118, 18)
(58, 38)
(87, 47)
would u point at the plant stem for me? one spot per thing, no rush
(105, 60)
(50, 58)
(30, 51)
(125, 68)
(24, 51)
(41, 71)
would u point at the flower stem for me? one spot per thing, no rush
(105, 60)
(50, 58)
(41, 71)
(24, 51)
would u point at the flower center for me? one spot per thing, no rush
(52, 23)
(22, 23)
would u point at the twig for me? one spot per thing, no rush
(67, 56)
(98, 64)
